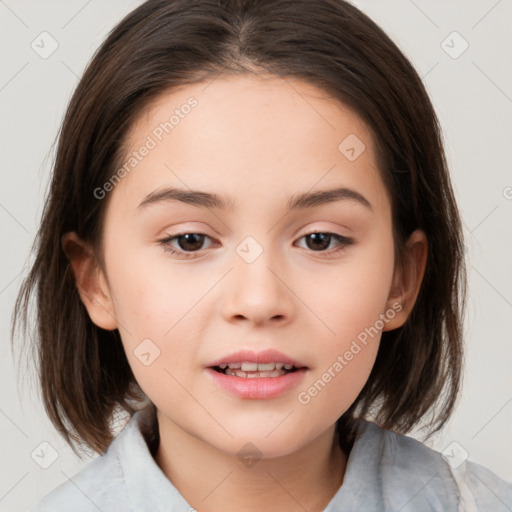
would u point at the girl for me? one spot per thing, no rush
(252, 246)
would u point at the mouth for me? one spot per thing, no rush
(250, 370)
(256, 375)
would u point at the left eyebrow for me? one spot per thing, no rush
(209, 200)
(311, 199)
(193, 197)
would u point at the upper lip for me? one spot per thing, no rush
(261, 357)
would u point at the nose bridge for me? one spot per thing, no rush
(257, 291)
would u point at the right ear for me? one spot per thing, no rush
(90, 281)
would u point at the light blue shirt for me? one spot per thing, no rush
(385, 472)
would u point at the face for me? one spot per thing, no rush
(258, 274)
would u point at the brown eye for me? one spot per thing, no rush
(320, 242)
(190, 241)
(184, 244)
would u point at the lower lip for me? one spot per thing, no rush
(257, 388)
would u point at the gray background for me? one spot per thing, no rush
(472, 93)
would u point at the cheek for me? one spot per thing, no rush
(350, 296)
(161, 310)
(153, 298)
(158, 337)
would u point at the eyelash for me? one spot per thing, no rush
(166, 243)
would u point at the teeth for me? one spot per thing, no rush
(251, 370)
(249, 367)
(266, 367)
(252, 375)
(256, 367)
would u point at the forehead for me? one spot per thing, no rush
(247, 137)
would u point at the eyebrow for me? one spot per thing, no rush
(209, 200)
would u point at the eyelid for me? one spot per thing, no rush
(333, 230)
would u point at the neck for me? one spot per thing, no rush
(212, 480)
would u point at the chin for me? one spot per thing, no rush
(266, 443)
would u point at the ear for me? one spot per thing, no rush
(407, 281)
(90, 281)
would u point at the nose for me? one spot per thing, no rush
(258, 293)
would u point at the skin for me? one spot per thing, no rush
(258, 140)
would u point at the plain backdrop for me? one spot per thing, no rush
(461, 49)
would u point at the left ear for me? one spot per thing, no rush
(407, 281)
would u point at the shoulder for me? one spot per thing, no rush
(102, 483)
(414, 477)
(100, 480)
(481, 489)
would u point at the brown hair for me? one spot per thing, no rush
(164, 44)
